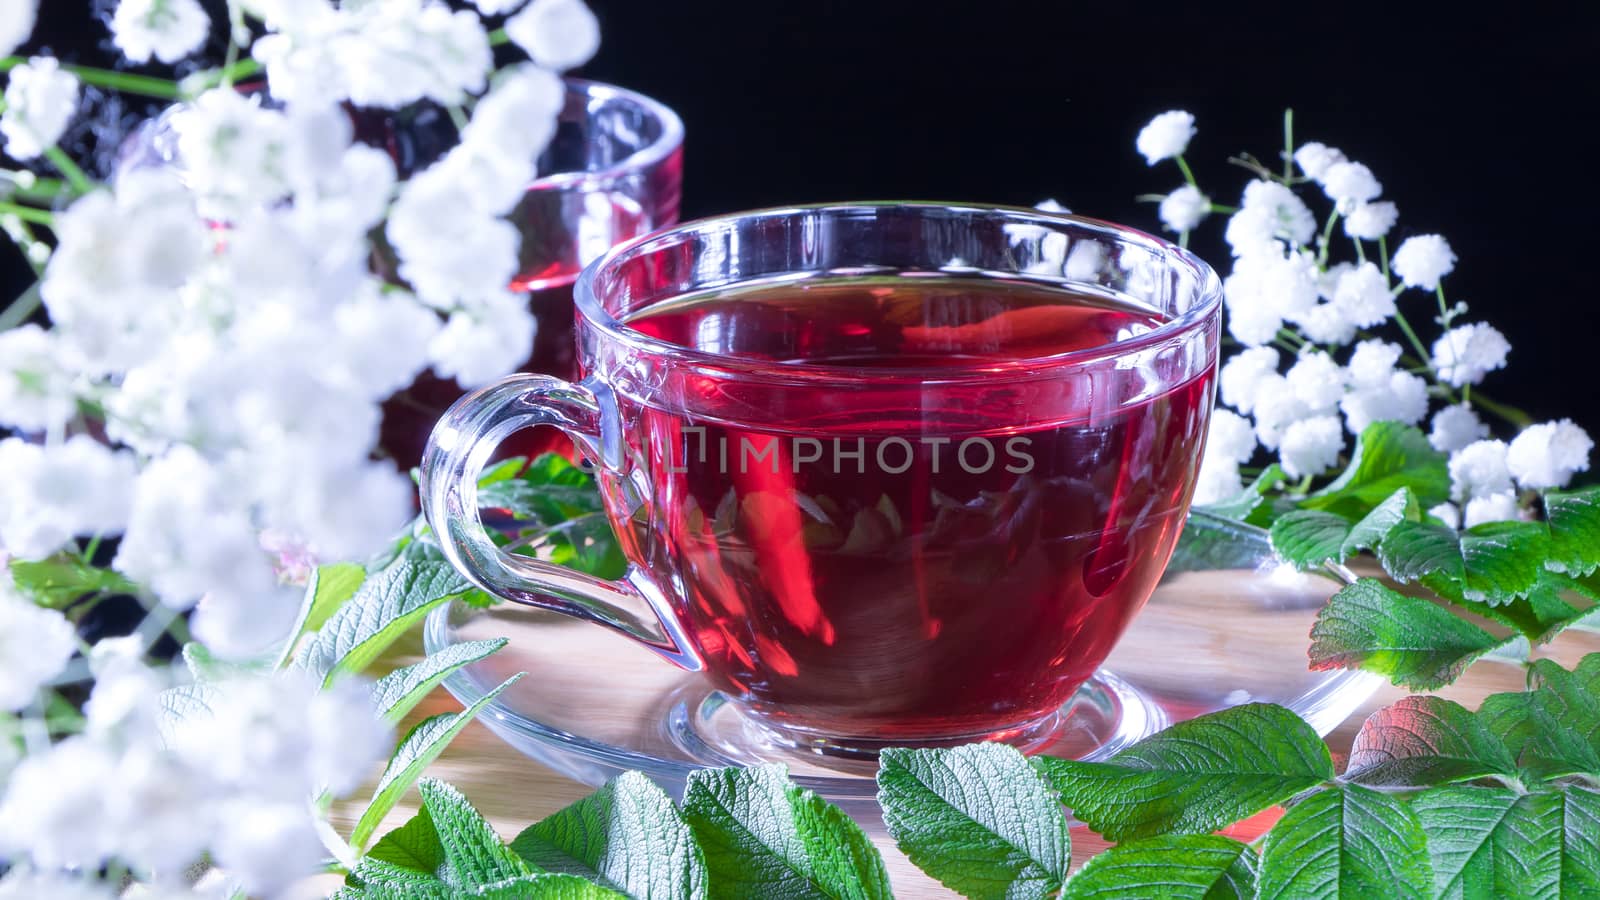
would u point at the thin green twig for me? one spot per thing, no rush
(80, 182)
(126, 82)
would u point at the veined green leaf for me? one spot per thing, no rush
(474, 854)
(1492, 842)
(1388, 456)
(1543, 745)
(1370, 626)
(56, 581)
(1368, 533)
(386, 606)
(1574, 520)
(1414, 550)
(401, 690)
(1351, 843)
(330, 586)
(1174, 867)
(1240, 506)
(1503, 560)
(1310, 537)
(1422, 741)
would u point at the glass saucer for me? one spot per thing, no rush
(1228, 624)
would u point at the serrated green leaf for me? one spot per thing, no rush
(1309, 537)
(764, 837)
(1568, 699)
(546, 887)
(414, 845)
(977, 818)
(378, 879)
(504, 470)
(56, 581)
(1368, 625)
(1580, 831)
(1196, 776)
(1423, 741)
(1503, 560)
(400, 691)
(1388, 456)
(1173, 867)
(386, 606)
(1539, 615)
(1209, 543)
(1543, 745)
(327, 590)
(1412, 550)
(1574, 520)
(203, 665)
(1241, 505)
(1368, 533)
(627, 836)
(416, 752)
(1351, 842)
(474, 854)
(1492, 842)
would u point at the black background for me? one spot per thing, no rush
(1482, 121)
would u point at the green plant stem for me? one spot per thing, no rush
(28, 214)
(1506, 413)
(1361, 253)
(1288, 144)
(39, 191)
(498, 37)
(1383, 256)
(80, 182)
(1444, 311)
(126, 82)
(200, 82)
(1188, 175)
(1327, 238)
(21, 308)
(1416, 342)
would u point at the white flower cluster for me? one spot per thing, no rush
(1309, 375)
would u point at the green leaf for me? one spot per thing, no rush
(1568, 699)
(764, 837)
(401, 690)
(1492, 842)
(183, 706)
(474, 854)
(204, 666)
(1177, 867)
(1309, 537)
(1368, 625)
(57, 581)
(588, 545)
(1539, 616)
(1422, 741)
(1574, 520)
(378, 879)
(1412, 550)
(416, 752)
(414, 846)
(1544, 747)
(1240, 506)
(1352, 842)
(627, 836)
(978, 818)
(1580, 831)
(546, 887)
(386, 606)
(1196, 776)
(1388, 456)
(1503, 560)
(1368, 533)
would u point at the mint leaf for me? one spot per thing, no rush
(1209, 543)
(1178, 867)
(1492, 842)
(764, 837)
(1422, 741)
(1388, 456)
(1580, 831)
(474, 854)
(416, 752)
(1309, 537)
(563, 501)
(977, 818)
(401, 690)
(1368, 625)
(1240, 506)
(327, 590)
(545, 887)
(1412, 550)
(414, 845)
(183, 706)
(1540, 741)
(1368, 533)
(377, 879)
(1352, 842)
(386, 606)
(1539, 615)
(1196, 776)
(627, 835)
(57, 581)
(1568, 700)
(1503, 560)
(1574, 520)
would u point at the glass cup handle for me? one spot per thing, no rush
(457, 450)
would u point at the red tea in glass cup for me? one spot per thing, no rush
(887, 474)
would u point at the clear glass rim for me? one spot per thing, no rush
(1202, 312)
(669, 141)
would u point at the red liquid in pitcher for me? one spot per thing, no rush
(888, 566)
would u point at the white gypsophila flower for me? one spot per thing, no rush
(1348, 184)
(377, 502)
(1230, 436)
(53, 809)
(1241, 376)
(380, 336)
(1370, 221)
(497, 7)
(1277, 407)
(34, 885)
(1466, 353)
(36, 380)
(1363, 297)
(1326, 324)
(1263, 290)
(1372, 362)
(1217, 480)
(1311, 446)
(40, 100)
(1422, 260)
(1183, 209)
(1314, 159)
(347, 737)
(125, 704)
(267, 847)
(1401, 397)
(1549, 454)
(1448, 513)
(1049, 204)
(234, 151)
(514, 122)
(1165, 136)
(1497, 507)
(1478, 470)
(244, 627)
(485, 342)
(50, 494)
(1455, 427)
(35, 645)
(16, 23)
(157, 813)
(1317, 381)
(556, 34)
(1268, 213)
(169, 30)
